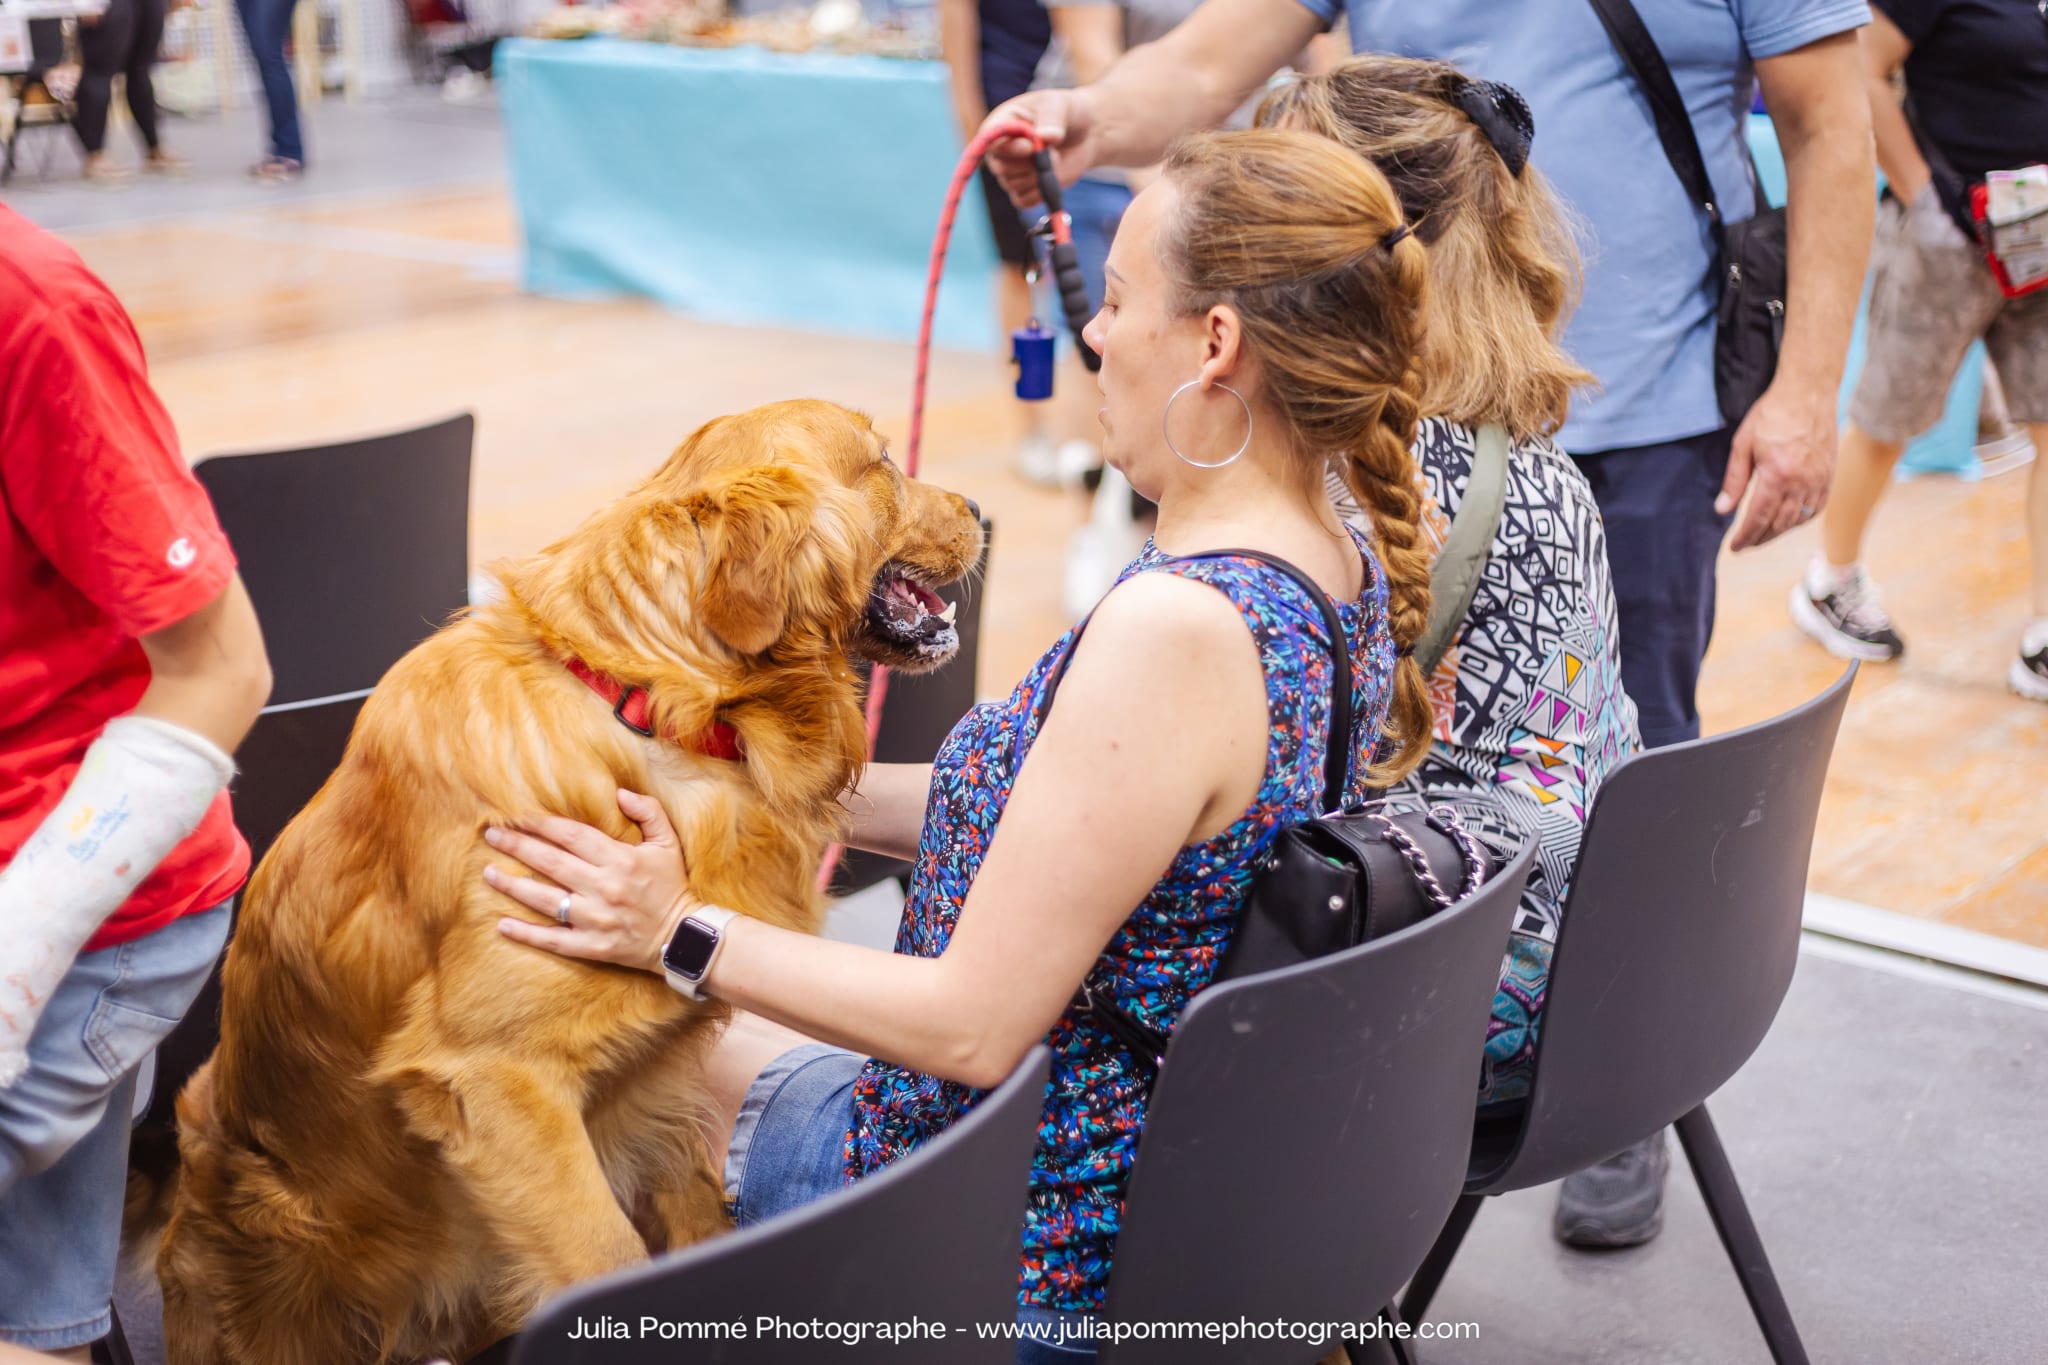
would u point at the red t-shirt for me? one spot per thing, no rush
(105, 536)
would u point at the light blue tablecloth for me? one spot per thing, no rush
(1950, 447)
(744, 185)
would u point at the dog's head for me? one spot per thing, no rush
(799, 530)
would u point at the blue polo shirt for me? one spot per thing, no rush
(1646, 325)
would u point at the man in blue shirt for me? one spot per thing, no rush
(1667, 470)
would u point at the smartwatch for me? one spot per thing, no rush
(693, 947)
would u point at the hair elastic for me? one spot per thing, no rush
(1393, 239)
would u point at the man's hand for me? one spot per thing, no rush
(1783, 458)
(1063, 119)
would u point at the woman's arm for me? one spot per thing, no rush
(885, 806)
(1885, 50)
(1113, 790)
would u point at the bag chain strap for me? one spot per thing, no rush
(1446, 819)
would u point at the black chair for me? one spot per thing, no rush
(932, 1240)
(1308, 1135)
(1679, 940)
(921, 710)
(352, 554)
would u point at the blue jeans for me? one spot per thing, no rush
(788, 1148)
(64, 1127)
(267, 24)
(1663, 536)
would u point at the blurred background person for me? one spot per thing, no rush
(267, 24)
(992, 50)
(122, 41)
(1976, 77)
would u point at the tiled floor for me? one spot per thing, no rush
(351, 305)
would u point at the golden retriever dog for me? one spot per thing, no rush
(413, 1129)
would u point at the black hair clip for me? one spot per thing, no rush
(1503, 115)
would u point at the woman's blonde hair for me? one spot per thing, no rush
(1504, 266)
(1307, 244)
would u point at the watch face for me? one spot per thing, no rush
(689, 952)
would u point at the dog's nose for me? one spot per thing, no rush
(973, 508)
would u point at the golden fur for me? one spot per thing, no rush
(413, 1129)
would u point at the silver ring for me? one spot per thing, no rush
(562, 911)
(1805, 513)
(1166, 426)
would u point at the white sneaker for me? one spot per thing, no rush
(1842, 612)
(1075, 461)
(2028, 674)
(1038, 460)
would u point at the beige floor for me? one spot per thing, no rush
(290, 325)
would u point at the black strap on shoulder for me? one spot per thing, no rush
(1337, 763)
(1640, 55)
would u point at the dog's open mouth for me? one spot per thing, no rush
(911, 616)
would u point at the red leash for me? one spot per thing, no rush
(970, 162)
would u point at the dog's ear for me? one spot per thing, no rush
(752, 522)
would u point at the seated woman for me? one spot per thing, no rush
(1530, 712)
(1263, 313)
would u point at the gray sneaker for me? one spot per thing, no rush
(1618, 1203)
(1844, 615)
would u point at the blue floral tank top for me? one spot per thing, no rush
(1166, 950)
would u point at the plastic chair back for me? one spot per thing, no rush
(1679, 939)
(1308, 1137)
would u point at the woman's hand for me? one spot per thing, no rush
(612, 901)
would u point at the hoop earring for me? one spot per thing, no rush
(1166, 426)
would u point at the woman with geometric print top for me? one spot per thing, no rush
(1530, 714)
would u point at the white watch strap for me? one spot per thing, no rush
(714, 918)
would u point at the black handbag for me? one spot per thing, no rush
(1330, 883)
(1749, 256)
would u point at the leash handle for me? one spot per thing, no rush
(1066, 262)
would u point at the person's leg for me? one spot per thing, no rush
(64, 1128)
(103, 51)
(1931, 296)
(1863, 471)
(141, 63)
(267, 25)
(2018, 342)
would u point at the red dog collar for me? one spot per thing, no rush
(629, 704)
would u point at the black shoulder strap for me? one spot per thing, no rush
(1674, 127)
(1337, 763)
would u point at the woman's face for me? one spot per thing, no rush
(1149, 349)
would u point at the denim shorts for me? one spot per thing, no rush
(789, 1148)
(64, 1127)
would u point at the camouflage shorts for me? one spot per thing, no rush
(1931, 296)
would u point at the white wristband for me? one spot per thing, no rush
(143, 788)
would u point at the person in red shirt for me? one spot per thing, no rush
(130, 667)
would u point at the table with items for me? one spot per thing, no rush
(793, 188)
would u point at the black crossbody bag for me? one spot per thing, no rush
(1329, 883)
(1749, 256)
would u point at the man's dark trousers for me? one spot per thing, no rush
(1663, 537)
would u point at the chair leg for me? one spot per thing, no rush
(1430, 1274)
(1730, 1213)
